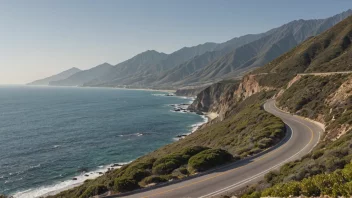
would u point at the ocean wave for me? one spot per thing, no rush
(67, 184)
(131, 134)
(197, 125)
(35, 166)
(159, 94)
(13, 180)
(136, 134)
(194, 127)
(16, 173)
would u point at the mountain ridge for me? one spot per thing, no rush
(208, 62)
(79, 78)
(60, 76)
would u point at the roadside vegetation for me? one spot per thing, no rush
(335, 184)
(307, 96)
(248, 130)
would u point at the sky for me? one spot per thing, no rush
(39, 38)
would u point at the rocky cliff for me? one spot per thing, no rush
(222, 96)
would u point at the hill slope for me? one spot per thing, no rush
(167, 68)
(79, 78)
(325, 97)
(59, 76)
(260, 52)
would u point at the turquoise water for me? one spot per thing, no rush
(48, 135)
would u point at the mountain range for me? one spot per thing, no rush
(60, 76)
(204, 63)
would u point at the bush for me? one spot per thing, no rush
(189, 152)
(338, 183)
(94, 190)
(154, 179)
(252, 195)
(167, 164)
(135, 173)
(270, 175)
(208, 159)
(183, 170)
(125, 184)
(309, 188)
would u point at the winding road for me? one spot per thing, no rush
(302, 136)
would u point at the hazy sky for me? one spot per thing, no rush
(41, 38)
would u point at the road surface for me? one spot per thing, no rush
(302, 136)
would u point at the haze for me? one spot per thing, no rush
(41, 38)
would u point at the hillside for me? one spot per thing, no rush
(144, 67)
(208, 62)
(125, 71)
(59, 76)
(198, 62)
(328, 52)
(263, 50)
(79, 78)
(324, 97)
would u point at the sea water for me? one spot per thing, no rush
(50, 135)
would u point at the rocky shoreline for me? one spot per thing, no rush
(185, 108)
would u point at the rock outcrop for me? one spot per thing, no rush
(219, 97)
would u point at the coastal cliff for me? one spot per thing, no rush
(221, 97)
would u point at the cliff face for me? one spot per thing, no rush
(220, 97)
(250, 85)
(216, 98)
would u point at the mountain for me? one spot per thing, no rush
(79, 78)
(263, 50)
(190, 66)
(129, 68)
(329, 52)
(173, 67)
(60, 76)
(144, 67)
(208, 62)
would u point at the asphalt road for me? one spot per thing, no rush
(302, 136)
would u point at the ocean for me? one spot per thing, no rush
(50, 135)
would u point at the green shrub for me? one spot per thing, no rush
(338, 183)
(252, 195)
(309, 188)
(125, 184)
(190, 151)
(94, 190)
(183, 170)
(136, 174)
(153, 179)
(270, 175)
(167, 164)
(208, 159)
(347, 172)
